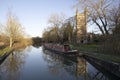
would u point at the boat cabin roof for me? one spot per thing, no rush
(66, 45)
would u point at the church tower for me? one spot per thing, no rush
(81, 26)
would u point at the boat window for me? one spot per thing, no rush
(66, 47)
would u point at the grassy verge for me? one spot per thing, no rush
(91, 48)
(94, 50)
(5, 50)
(113, 58)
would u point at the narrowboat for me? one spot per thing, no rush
(61, 49)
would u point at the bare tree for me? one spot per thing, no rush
(112, 44)
(48, 34)
(97, 11)
(56, 19)
(56, 22)
(68, 32)
(1, 28)
(65, 32)
(13, 28)
(114, 19)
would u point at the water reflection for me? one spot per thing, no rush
(34, 64)
(81, 70)
(37, 45)
(57, 62)
(11, 67)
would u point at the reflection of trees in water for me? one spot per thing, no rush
(24, 49)
(37, 45)
(55, 63)
(58, 65)
(11, 67)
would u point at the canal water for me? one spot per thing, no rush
(34, 63)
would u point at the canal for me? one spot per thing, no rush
(34, 63)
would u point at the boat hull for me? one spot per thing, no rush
(68, 53)
(71, 56)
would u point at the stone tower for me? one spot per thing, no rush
(81, 26)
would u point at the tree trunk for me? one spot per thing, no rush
(11, 41)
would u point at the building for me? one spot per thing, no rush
(79, 22)
(81, 26)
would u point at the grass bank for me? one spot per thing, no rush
(91, 48)
(94, 50)
(5, 50)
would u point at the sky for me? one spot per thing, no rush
(34, 14)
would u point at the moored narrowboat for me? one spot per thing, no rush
(61, 49)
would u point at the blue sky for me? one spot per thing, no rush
(34, 14)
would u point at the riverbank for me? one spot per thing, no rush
(4, 53)
(94, 50)
(5, 50)
(106, 62)
(8, 49)
(105, 66)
